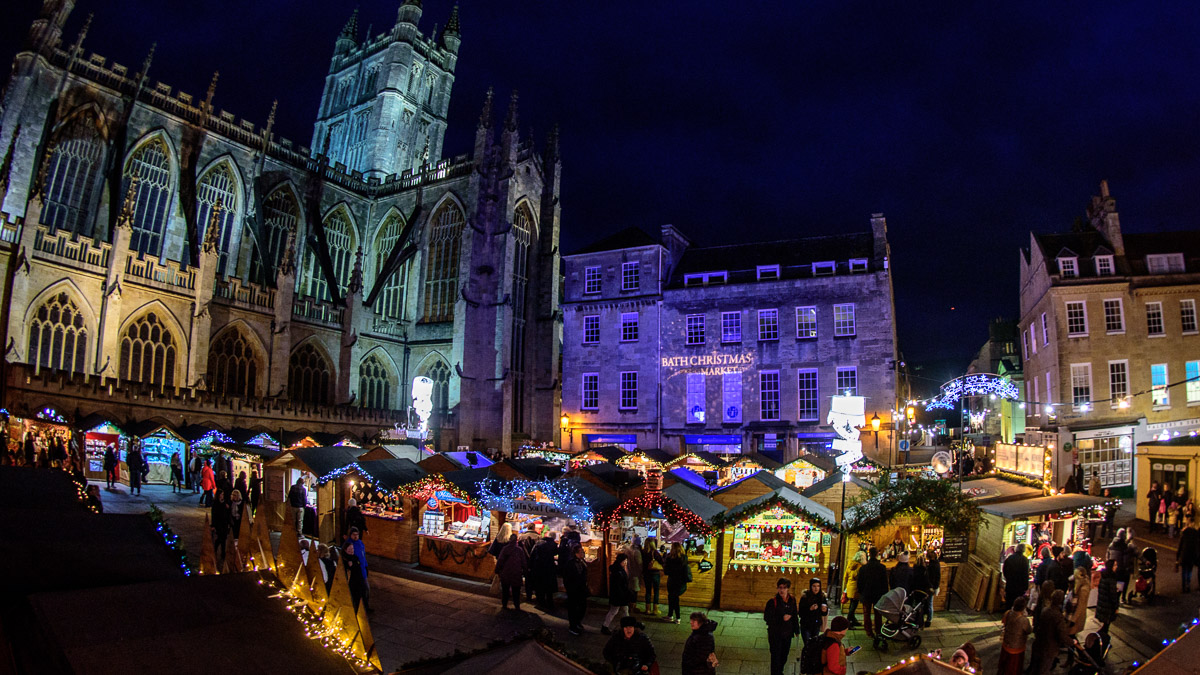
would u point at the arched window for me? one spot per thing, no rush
(309, 376)
(151, 209)
(281, 214)
(439, 372)
(390, 300)
(374, 385)
(522, 229)
(218, 186)
(441, 268)
(71, 171)
(148, 352)
(233, 366)
(58, 336)
(339, 235)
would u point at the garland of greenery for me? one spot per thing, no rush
(544, 636)
(724, 518)
(938, 501)
(159, 520)
(1005, 476)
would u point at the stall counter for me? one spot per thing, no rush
(391, 537)
(456, 558)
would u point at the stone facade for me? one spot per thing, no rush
(1108, 333)
(198, 259)
(700, 360)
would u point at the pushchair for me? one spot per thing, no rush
(1145, 586)
(903, 617)
(1088, 658)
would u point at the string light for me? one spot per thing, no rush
(502, 496)
(172, 540)
(430, 485)
(651, 501)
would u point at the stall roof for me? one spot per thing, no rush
(788, 494)
(922, 664)
(611, 473)
(390, 474)
(763, 476)
(822, 463)
(833, 480)
(533, 468)
(468, 480)
(466, 459)
(598, 498)
(240, 625)
(518, 658)
(399, 451)
(759, 459)
(696, 502)
(654, 454)
(267, 454)
(1042, 505)
(991, 490)
(194, 432)
(711, 458)
(322, 460)
(690, 478)
(147, 427)
(94, 420)
(610, 453)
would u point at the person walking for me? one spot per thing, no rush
(813, 607)
(511, 564)
(933, 570)
(833, 652)
(208, 484)
(1153, 500)
(355, 576)
(354, 517)
(355, 545)
(872, 585)
(1081, 589)
(850, 583)
(194, 475)
(1016, 636)
(1108, 599)
(633, 553)
(176, 473)
(1050, 635)
(700, 650)
(241, 485)
(783, 623)
(1187, 555)
(651, 574)
(527, 540)
(1094, 487)
(575, 583)
(328, 565)
(1110, 515)
(543, 572)
(236, 509)
(297, 500)
(222, 520)
(1173, 519)
(676, 567)
(900, 575)
(618, 592)
(134, 462)
(256, 483)
(1128, 567)
(629, 649)
(110, 466)
(502, 538)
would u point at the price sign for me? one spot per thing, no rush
(954, 548)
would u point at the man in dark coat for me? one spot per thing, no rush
(510, 567)
(133, 461)
(1049, 636)
(543, 571)
(700, 650)
(933, 570)
(629, 649)
(1016, 576)
(1055, 573)
(901, 574)
(783, 623)
(872, 585)
(575, 582)
(110, 466)
(1187, 556)
(620, 595)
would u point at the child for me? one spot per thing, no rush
(1172, 519)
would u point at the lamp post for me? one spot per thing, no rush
(842, 534)
(875, 424)
(910, 414)
(564, 423)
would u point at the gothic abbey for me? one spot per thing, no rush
(165, 260)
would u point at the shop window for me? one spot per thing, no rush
(630, 276)
(808, 395)
(779, 539)
(1077, 319)
(441, 267)
(1154, 319)
(695, 329)
(1114, 316)
(591, 329)
(591, 280)
(232, 366)
(629, 390)
(731, 326)
(591, 391)
(1159, 393)
(768, 324)
(843, 320)
(58, 336)
(148, 352)
(309, 376)
(806, 323)
(847, 381)
(629, 327)
(1168, 473)
(768, 394)
(1187, 316)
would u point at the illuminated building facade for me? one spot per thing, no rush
(1109, 337)
(171, 261)
(727, 349)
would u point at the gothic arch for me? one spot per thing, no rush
(70, 287)
(153, 160)
(340, 244)
(101, 119)
(153, 347)
(378, 381)
(527, 203)
(61, 327)
(435, 367)
(72, 170)
(211, 188)
(237, 362)
(390, 300)
(281, 210)
(443, 257)
(227, 159)
(163, 312)
(159, 134)
(312, 377)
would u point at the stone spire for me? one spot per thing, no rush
(409, 12)
(125, 220)
(452, 27)
(212, 235)
(510, 123)
(356, 274)
(212, 91)
(485, 117)
(350, 30)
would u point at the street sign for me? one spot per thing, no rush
(904, 445)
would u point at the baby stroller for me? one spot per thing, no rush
(903, 617)
(1145, 585)
(1088, 658)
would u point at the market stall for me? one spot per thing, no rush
(600, 455)
(705, 464)
(100, 434)
(453, 528)
(391, 531)
(40, 434)
(741, 466)
(756, 484)
(158, 442)
(645, 461)
(445, 462)
(834, 493)
(309, 465)
(778, 534)
(250, 458)
(996, 489)
(804, 471)
(395, 451)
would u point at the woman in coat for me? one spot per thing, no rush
(675, 566)
(619, 595)
(1050, 636)
(850, 583)
(651, 573)
(511, 566)
(700, 650)
(1081, 588)
(1108, 598)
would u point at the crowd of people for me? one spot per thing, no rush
(1169, 508)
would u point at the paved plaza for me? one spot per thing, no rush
(420, 615)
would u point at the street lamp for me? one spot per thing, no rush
(875, 424)
(564, 423)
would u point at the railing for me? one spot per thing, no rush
(248, 294)
(149, 269)
(69, 246)
(384, 326)
(307, 308)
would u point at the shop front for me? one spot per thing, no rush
(390, 532)
(627, 442)
(779, 534)
(38, 435)
(98, 437)
(913, 532)
(312, 466)
(158, 442)
(1172, 462)
(453, 529)
(1109, 453)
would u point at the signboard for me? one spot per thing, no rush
(904, 444)
(846, 415)
(954, 548)
(535, 507)
(448, 497)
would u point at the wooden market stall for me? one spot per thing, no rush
(741, 466)
(756, 484)
(158, 442)
(996, 489)
(445, 462)
(310, 465)
(100, 434)
(250, 458)
(777, 534)
(391, 529)
(706, 464)
(606, 454)
(644, 460)
(38, 434)
(395, 451)
(453, 531)
(832, 492)
(806, 470)
(1038, 523)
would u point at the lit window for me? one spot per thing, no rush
(858, 265)
(58, 336)
(806, 388)
(1104, 266)
(705, 278)
(1033, 339)
(769, 394)
(1187, 315)
(441, 263)
(1118, 380)
(695, 398)
(629, 327)
(695, 329)
(1045, 331)
(1164, 263)
(766, 272)
(629, 390)
(1114, 317)
(1081, 383)
(630, 277)
(1193, 382)
(390, 302)
(591, 391)
(591, 329)
(806, 323)
(1159, 394)
(591, 280)
(1154, 319)
(1025, 343)
(731, 326)
(374, 384)
(768, 324)
(843, 320)
(215, 196)
(824, 269)
(1068, 267)
(150, 164)
(1076, 319)
(847, 381)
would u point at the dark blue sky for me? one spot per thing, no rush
(968, 125)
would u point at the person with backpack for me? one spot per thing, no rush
(783, 623)
(833, 653)
(814, 607)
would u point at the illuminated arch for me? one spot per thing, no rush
(153, 347)
(390, 301)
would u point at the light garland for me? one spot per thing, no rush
(172, 540)
(777, 501)
(502, 496)
(50, 415)
(430, 485)
(656, 500)
(330, 636)
(979, 384)
(1167, 642)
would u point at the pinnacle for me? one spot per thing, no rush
(485, 117)
(452, 27)
(511, 122)
(351, 28)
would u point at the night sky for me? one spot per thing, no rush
(967, 125)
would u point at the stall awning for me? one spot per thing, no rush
(255, 452)
(149, 428)
(787, 496)
(94, 420)
(1042, 506)
(323, 460)
(597, 497)
(694, 501)
(990, 490)
(391, 474)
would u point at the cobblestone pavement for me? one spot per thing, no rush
(419, 615)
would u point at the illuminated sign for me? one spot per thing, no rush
(710, 364)
(422, 396)
(846, 415)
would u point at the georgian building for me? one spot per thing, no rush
(728, 349)
(168, 260)
(1110, 341)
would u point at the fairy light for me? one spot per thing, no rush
(159, 519)
(503, 495)
(651, 501)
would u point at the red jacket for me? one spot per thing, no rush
(207, 481)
